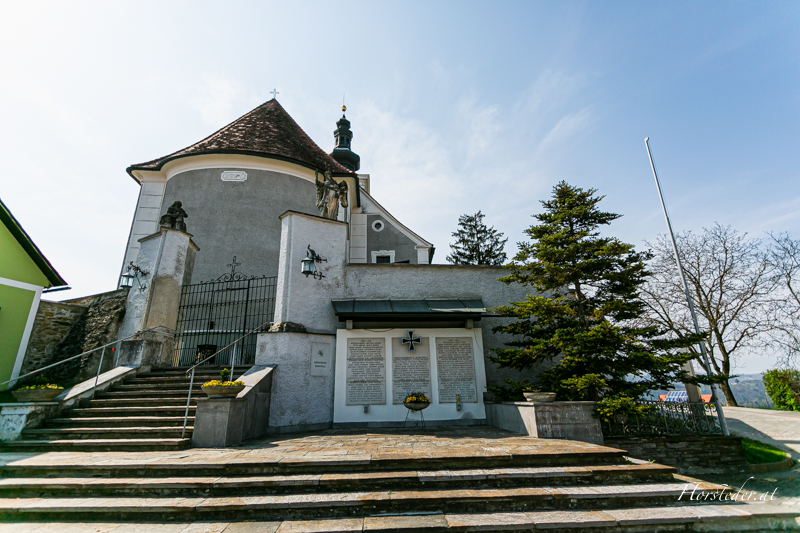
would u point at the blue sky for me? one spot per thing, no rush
(455, 106)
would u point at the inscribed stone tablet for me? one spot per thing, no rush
(320, 359)
(411, 371)
(456, 368)
(366, 372)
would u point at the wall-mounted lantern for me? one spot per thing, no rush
(134, 272)
(308, 268)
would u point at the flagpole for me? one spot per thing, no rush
(701, 344)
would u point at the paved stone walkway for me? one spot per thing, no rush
(340, 446)
(778, 428)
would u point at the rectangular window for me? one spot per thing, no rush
(383, 259)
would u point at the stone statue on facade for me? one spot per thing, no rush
(329, 195)
(173, 219)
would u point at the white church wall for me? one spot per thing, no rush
(302, 299)
(168, 257)
(146, 258)
(358, 237)
(145, 218)
(302, 382)
(390, 410)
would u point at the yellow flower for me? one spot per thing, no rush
(218, 383)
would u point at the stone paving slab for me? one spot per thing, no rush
(710, 518)
(153, 506)
(332, 447)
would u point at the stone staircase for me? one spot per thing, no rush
(142, 413)
(564, 488)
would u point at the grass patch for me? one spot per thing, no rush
(758, 453)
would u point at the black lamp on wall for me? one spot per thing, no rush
(134, 272)
(307, 265)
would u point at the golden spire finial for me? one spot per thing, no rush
(344, 107)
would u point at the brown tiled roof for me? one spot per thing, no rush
(266, 131)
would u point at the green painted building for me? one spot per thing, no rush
(24, 273)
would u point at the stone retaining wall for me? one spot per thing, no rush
(64, 329)
(691, 455)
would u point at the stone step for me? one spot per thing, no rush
(146, 393)
(344, 504)
(168, 432)
(201, 368)
(132, 411)
(166, 378)
(378, 481)
(138, 402)
(318, 465)
(96, 445)
(712, 518)
(118, 421)
(154, 387)
(176, 380)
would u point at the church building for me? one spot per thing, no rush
(258, 248)
(235, 183)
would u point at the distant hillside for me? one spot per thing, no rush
(748, 389)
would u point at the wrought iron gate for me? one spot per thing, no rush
(215, 313)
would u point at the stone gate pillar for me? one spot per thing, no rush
(168, 258)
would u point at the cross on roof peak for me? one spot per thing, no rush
(274, 93)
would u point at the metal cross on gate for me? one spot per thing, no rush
(233, 264)
(411, 340)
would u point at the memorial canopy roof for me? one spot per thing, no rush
(445, 309)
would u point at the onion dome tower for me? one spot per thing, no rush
(341, 151)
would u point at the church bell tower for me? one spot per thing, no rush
(341, 151)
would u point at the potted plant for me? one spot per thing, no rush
(416, 401)
(223, 388)
(535, 394)
(40, 392)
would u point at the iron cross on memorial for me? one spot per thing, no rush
(411, 340)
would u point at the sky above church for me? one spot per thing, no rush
(455, 106)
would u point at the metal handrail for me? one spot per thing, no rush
(233, 366)
(103, 347)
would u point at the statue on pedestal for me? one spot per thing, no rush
(173, 219)
(329, 195)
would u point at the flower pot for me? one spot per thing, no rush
(540, 396)
(222, 391)
(36, 395)
(416, 406)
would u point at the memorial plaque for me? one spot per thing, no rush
(366, 372)
(320, 359)
(455, 366)
(411, 371)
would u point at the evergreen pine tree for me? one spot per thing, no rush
(585, 320)
(476, 244)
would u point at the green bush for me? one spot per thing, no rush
(783, 386)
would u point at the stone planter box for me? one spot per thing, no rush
(36, 395)
(219, 391)
(540, 396)
(417, 406)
